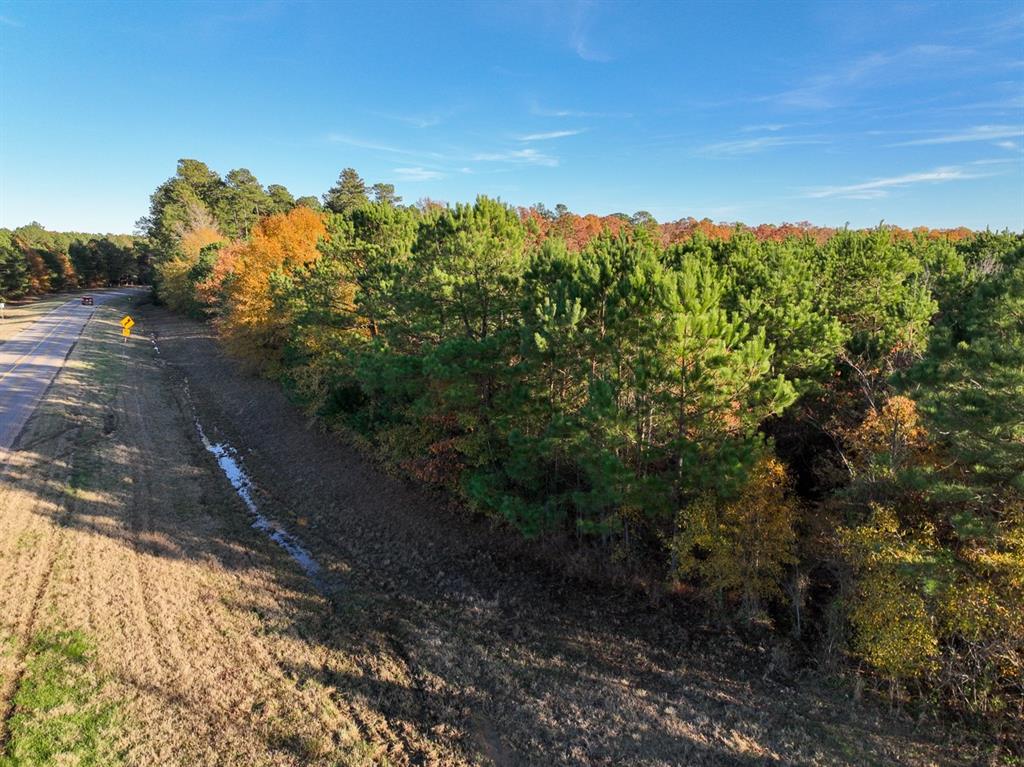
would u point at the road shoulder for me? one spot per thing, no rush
(122, 549)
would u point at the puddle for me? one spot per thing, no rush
(230, 465)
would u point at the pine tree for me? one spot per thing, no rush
(971, 383)
(385, 193)
(777, 286)
(281, 200)
(309, 201)
(456, 309)
(241, 203)
(348, 193)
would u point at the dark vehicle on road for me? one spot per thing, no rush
(87, 301)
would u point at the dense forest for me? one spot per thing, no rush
(816, 431)
(34, 260)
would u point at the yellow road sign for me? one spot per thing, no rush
(127, 321)
(126, 331)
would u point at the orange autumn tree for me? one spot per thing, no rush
(194, 240)
(252, 327)
(39, 275)
(574, 230)
(209, 291)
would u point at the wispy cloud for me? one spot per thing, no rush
(579, 34)
(770, 127)
(1011, 145)
(542, 111)
(238, 13)
(880, 187)
(416, 120)
(829, 89)
(341, 138)
(520, 156)
(1012, 102)
(976, 133)
(7, 21)
(1007, 27)
(417, 174)
(748, 146)
(551, 135)
(441, 164)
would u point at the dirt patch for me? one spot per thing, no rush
(445, 642)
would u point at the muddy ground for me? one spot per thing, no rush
(429, 639)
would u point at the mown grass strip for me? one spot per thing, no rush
(60, 716)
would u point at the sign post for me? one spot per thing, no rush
(126, 326)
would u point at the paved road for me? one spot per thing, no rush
(30, 360)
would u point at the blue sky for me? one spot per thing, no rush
(760, 112)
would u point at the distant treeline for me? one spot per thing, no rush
(34, 260)
(820, 430)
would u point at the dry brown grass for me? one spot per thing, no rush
(114, 525)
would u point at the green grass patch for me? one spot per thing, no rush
(27, 540)
(105, 367)
(104, 355)
(59, 715)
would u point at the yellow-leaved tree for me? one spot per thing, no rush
(935, 582)
(741, 547)
(893, 629)
(889, 439)
(251, 325)
(176, 284)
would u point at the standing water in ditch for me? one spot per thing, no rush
(230, 465)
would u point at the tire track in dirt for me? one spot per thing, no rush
(251, 650)
(190, 660)
(23, 635)
(371, 726)
(389, 725)
(199, 622)
(269, 659)
(43, 476)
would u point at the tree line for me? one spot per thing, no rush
(34, 260)
(817, 430)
